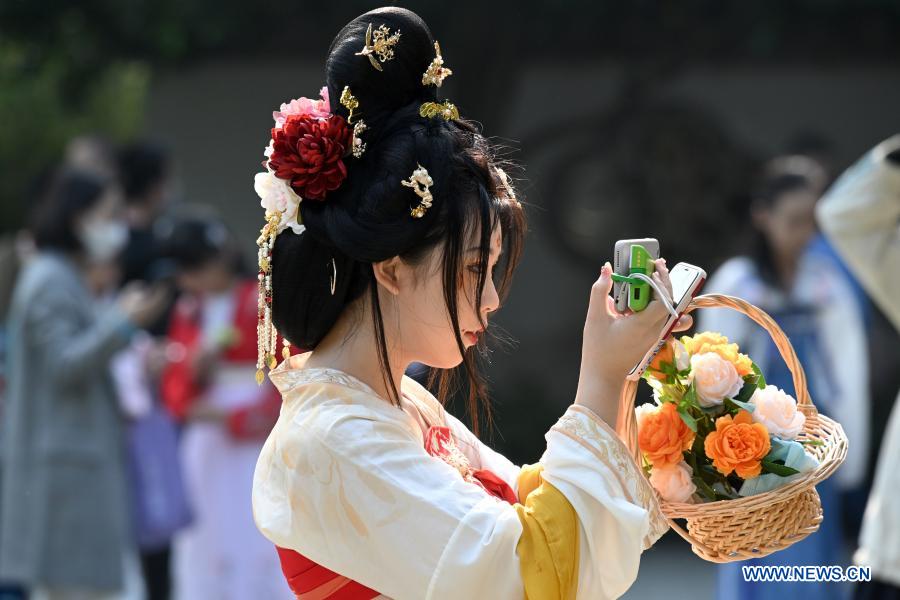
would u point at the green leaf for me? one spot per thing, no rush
(690, 396)
(778, 469)
(704, 488)
(812, 442)
(761, 384)
(688, 419)
(746, 392)
(740, 404)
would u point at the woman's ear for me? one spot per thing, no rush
(387, 273)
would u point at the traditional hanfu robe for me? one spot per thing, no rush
(221, 554)
(366, 499)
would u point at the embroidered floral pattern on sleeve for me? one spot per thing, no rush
(591, 432)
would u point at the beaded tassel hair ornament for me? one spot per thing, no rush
(306, 135)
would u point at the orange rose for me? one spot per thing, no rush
(709, 341)
(663, 436)
(665, 355)
(738, 445)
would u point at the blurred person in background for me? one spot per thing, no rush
(815, 306)
(861, 216)
(145, 169)
(158, 495)
(210, 386)
(63, 528)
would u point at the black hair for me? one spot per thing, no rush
(367, 219)
(142, 165)
(777, 177)
(193, 241)
(70, 194)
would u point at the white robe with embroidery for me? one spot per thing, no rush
(344, 480)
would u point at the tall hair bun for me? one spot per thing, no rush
(398, 83)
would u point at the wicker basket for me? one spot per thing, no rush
(732, 530)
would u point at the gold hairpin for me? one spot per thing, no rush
(436, 71)
(350, 102)
(446, 109)
(379, 42)
(420, 181)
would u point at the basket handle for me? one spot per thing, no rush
(626, 423)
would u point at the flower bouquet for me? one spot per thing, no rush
(716, 431)
(732, 458)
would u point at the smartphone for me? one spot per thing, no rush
(621, 264)
(686, 283)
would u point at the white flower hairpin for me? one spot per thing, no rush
(420, 181)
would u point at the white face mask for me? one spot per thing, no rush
(103, 240)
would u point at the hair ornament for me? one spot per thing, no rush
(379, 43)
(446, 109)
(349, 101)
(436, 71)
(266, 335)
(420, 181)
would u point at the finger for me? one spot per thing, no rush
(684, 323)
(599, 304)
(655, 315)
(663, 272)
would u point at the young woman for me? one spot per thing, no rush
(64, 526)
(208, 386)
(393, 244)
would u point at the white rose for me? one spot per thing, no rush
(276, 195)
(673, 482)
(714, 379)
(778, 412)
(682, 356)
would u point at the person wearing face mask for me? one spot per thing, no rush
(63, 527)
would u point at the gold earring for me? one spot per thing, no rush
(333, 278)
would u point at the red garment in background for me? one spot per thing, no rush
(179, 386)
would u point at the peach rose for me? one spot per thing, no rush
(672, 352)
(778, 412)
(666, 354)
(709, 341)
(662, 435)
(673, 482)
(714, 378)
(738, 445)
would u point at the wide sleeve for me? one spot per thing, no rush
(360, 496)
(860, 214)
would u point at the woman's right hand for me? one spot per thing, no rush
(142, 304)
(614, 343)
